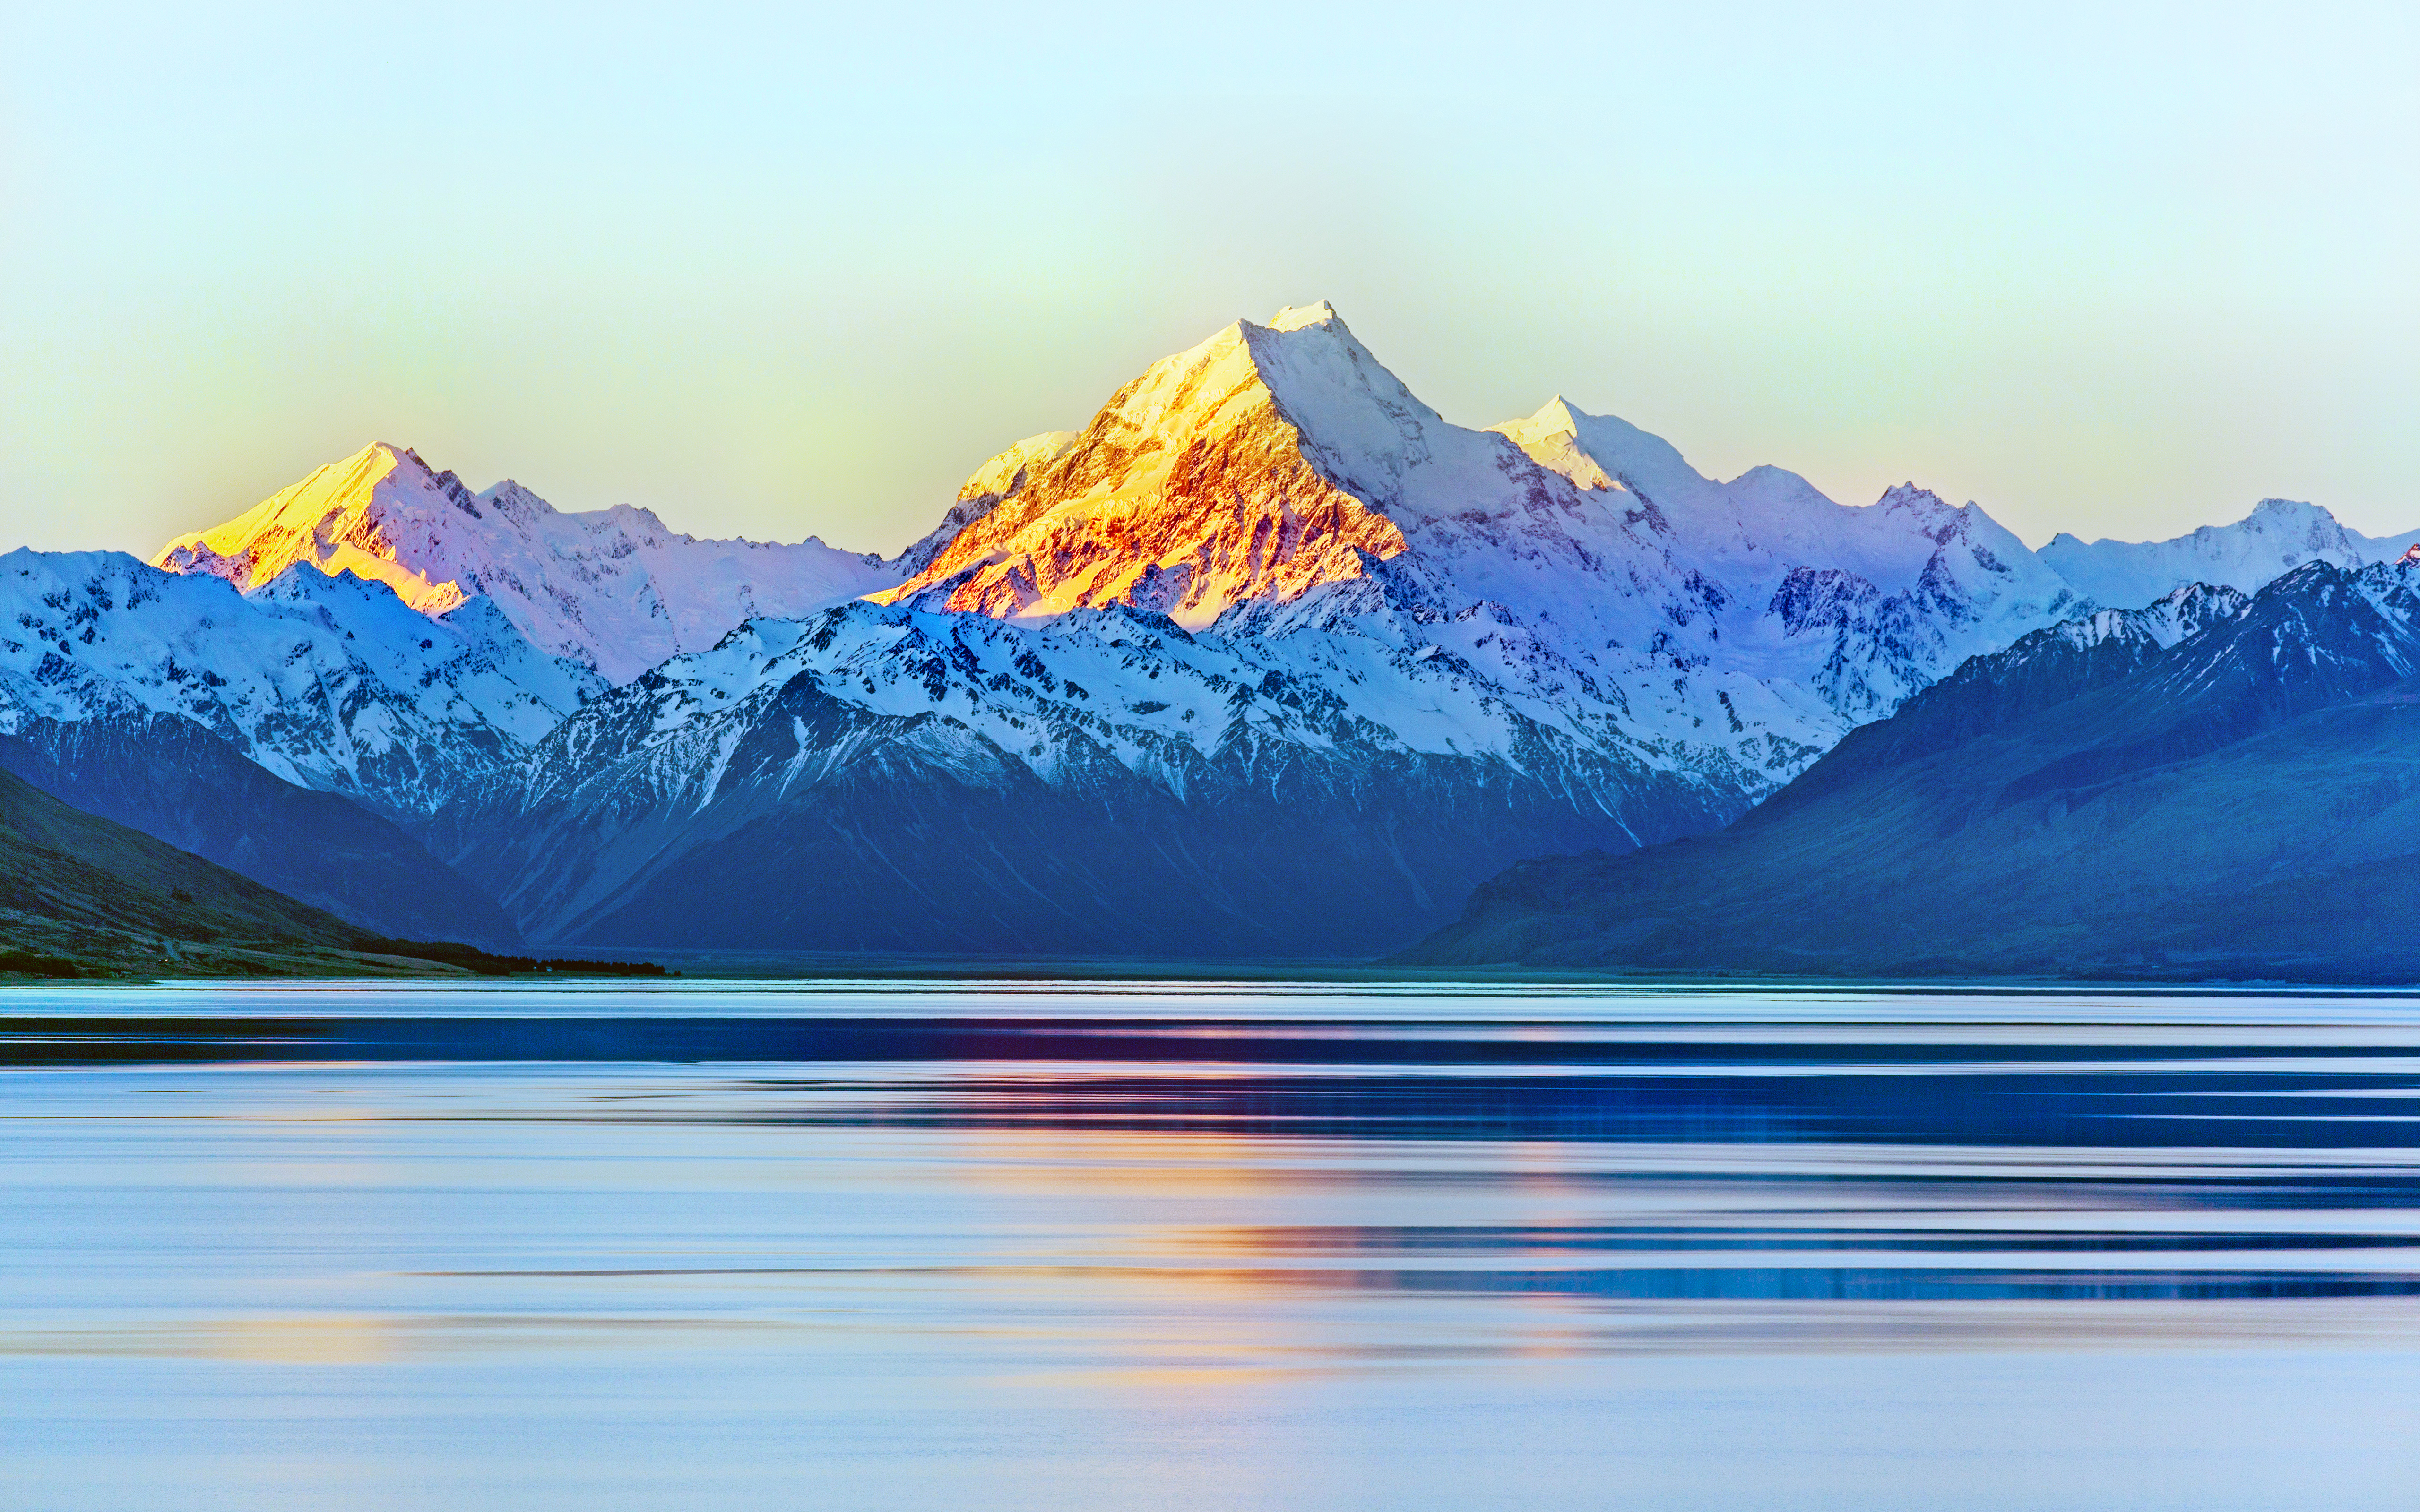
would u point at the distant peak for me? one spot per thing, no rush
(515, 499)
(1296, 317)
(377, 458)
(1907, 495)
(1559, 413)
(626, 516)
(1556, 417)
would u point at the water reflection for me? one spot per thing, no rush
(995, 1229)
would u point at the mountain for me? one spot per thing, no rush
(1272, 460)
(1269, 659)
(1006, 473)
(74, 887)
(2214, 786)
(2279, 535)
(614, 589)
(328, 683)
(1740, 627)
(173, 780)
(1104, 782)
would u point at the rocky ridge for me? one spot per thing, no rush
(331, 683)
(2279, 535)
(2219, 786)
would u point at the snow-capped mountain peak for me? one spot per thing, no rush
(336, 519)
(1006, 472)
(1296, 317)
(615, 588)
(2279, 535)
(1602, 452)
(1258, 465)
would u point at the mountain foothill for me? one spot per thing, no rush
(1265, 660)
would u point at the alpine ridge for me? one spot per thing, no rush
(2279, 535)
(1269, 658)
(331, 683)
(2218, 785)
(614, 588)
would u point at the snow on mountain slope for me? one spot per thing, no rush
(1863, 606)
(614, 588)
(2279, 535)
(1191, 491)
(997, 479)
(1580, 564)
(1265, 573)
(332, 683)
(1304, 792)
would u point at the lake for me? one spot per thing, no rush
(1091, 1243)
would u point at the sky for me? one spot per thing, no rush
(2114, 269)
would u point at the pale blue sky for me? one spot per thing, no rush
(2114, 269)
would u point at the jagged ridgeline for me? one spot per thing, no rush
(1268, 659)
(2215, 785)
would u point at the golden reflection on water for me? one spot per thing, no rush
(1215, 1251)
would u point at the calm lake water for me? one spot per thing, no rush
(1096, 1244)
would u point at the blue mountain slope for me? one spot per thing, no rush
(2245, 801)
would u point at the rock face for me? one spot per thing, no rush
(614, 588)
(2214, 786)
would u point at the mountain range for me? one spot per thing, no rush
(2219, 784)
(1265, 658)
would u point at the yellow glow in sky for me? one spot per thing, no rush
(2115, 270)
